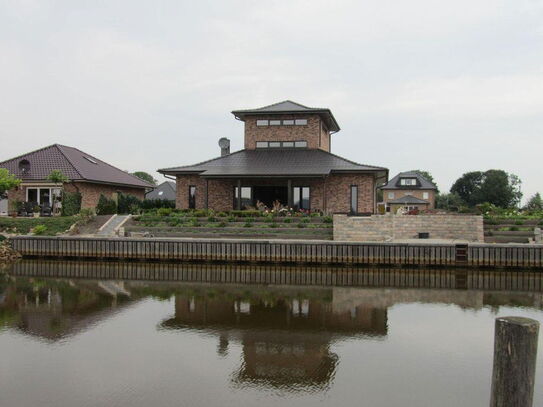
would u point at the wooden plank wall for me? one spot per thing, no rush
(310, 252)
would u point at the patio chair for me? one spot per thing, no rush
(46, 210)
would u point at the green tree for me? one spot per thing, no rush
(57, 176)
(7, 181)
(535, 203)
(449, 202)
(427, 176)
(493, 186)
(145, 176)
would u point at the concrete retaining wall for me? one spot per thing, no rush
(381, 228)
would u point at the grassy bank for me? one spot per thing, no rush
(50, 226)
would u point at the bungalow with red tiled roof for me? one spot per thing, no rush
(86, 174)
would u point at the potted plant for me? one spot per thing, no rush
(36, 211)
(14, 208)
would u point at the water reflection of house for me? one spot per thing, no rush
(286, 341)
(56, 311)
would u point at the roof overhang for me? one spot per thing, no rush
(325, 114)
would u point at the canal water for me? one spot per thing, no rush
(135, 334)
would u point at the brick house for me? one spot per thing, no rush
(87, 174)
(409, 190)
(286, 158)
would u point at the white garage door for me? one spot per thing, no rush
(3, 206)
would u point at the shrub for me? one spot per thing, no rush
(85, 216)
(301, 225)
(2, 238)
(287, 220)
(222, 214)
(164, 211)
(305, 220)
(514, 229)
(157, 204)
(40, 230)
(71, 203)
(106, 206)
(273, 225)
(231, 219)
(126, 202)
(519, 222)
(327, 219)
(222, 225)
(174, 221)
(212, 219)
(248, 224)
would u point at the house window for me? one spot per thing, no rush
(288, 144)
(300, 122)
(246, 197)
(24, 166)
(408, 181)
(39, 196)
(281, 144)
(192, 197)
(288, 122)
(275, 144)
(261, 144)
(275, 122)
(300, 144)
(262, 122)
(425, 195)
(354, 198)
(391, 195)
(301, 198)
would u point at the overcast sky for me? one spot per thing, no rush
(447, 87)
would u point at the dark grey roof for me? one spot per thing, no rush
(290, 107)
(280, 162)
(422, 183)
(166, 190)
(74, 164)
(408, 199)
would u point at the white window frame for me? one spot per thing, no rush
(300, 122)
(262, 123)
(391, 195)
(50, 189)
(425, 195)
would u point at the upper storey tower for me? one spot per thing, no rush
(287, 125)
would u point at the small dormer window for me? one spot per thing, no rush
(408, 181)
(24, 166)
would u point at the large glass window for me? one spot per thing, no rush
(246, 197)
(192, 197)
(300, 198)
(354, 198)
(40, 196)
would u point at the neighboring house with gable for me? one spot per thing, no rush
(287, 158)
(409, 190)
(164, 191)
(87, 174)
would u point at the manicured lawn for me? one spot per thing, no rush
(23, 226)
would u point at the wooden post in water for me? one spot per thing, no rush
(515, 351)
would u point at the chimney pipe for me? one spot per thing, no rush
(224, 144)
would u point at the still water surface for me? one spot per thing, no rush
(118, 334)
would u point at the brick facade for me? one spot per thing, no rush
(399, 227)
(90, 192)
(315, 132)
(331, 194)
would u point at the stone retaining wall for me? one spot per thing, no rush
(381, 228)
